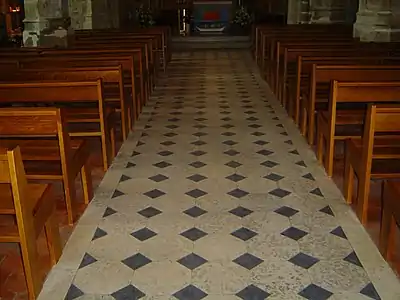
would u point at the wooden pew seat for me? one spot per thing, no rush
(46, 149)
(390, 218)
(375, 156)
(33, 207)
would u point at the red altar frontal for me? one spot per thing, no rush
(211, 16)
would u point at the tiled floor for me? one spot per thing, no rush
(217, 196)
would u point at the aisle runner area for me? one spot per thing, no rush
(216, 196)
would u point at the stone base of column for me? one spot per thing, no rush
(375, 27)
(53, 32)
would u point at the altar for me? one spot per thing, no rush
(211, 17)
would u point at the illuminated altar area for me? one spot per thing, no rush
(211, 17)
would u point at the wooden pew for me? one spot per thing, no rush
(299, 85)
(137, 57)
(47, 151)
(375, 156)
(84, 121)
(264, 35)
(131, 81)
(148, 71)
(163, 34)
(33, 207)
(286, 66)
(343, 124)
(112, 78)
(390, 219)
(322, 76)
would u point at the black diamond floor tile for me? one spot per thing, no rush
(338, 231)
(229, 143)
(116, 194)
(261, 142)
(231, 152)
(165, 153)
(129, 292)
(370, 291)
(241, 211)
(197, 164)
(252, 292)
(143, 234)
(233, 164)
(199, 143)
(317, 192)
(149, 212)
(87, 260)
(280, 193)
(136, 261)
(73, 293)
(238, 193)
(192, 261)
(314, 292)
(304, 260)
(194, 234)
(269, 164)
(197, 177)
(99, 233)
(158, 178)
(274, 177)
(265, 152)
(162, 164)
(286, 211)
(124, 178)
(235, 177)
(248, 261)
(228, 133)
(190, 293)
(294, 233)
(327, 210)
(353, 259)
(154, 194)
(244, 234)
(195, 211)
(108, 212)
(198, 153)
(196, 193)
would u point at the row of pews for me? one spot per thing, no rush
(52, 102)
(342, 94)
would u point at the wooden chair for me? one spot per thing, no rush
(376, 156)
(47, 151)
(33, 207)
(390, 218)
(343, 124)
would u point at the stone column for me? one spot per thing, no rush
(298, 11)
(320, 11)
(46, 23)
(94, 14)
(378, 20)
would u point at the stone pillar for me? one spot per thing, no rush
(94, 14)
(80, 12)
(298, 11)
(46, 23)
(320, 11)
(378, 20)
